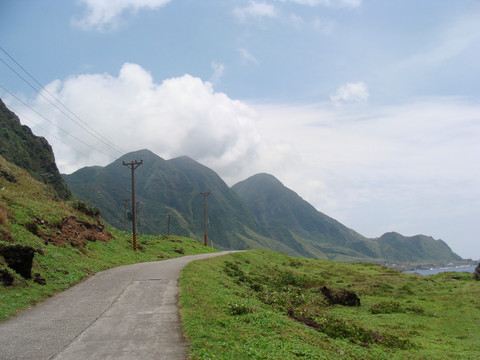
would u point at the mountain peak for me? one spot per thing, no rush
(143, 154)
(184, 158)
(261, 181)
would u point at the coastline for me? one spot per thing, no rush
(433, 271)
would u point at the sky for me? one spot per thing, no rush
(368, 109)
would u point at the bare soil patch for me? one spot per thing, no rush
(71, 230)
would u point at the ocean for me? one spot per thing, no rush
(469, 269)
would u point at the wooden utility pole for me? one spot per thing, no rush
(125, 201)
(168, 227)
(205, 194)
(133, 165)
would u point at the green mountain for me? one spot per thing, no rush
(172, 188)
(295, 222)
(418, 248)
(259, 212)
(19, 146)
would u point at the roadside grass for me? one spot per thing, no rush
(26, 206)
(265, 305)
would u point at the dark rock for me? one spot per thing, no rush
(311, 323)
(9, 177)
(6, 278)
(32, 227)
(476, 274)
(19, 258)
(340, 297)
(39, 280)
(65, 272)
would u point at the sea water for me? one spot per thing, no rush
(470, 269)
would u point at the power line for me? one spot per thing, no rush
(48, 132)
(90, 129)
(63, 112)
(49, 101)
(58, 127)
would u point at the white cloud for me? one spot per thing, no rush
(321, 26)
(180, 116)
(247, 57)
(256, 10)
(330, 3)
(218, 70)
(349, 3)
(408, 168)
(106, 14)
(351, 92)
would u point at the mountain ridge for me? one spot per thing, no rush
(171, 187)
(259, 212)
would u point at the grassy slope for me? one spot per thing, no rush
(236, 307)
(27, 199)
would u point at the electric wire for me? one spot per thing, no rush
(23, 116)
(117, 148)
(51, 103)
(58, 127)
(90, 129)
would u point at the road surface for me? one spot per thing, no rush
(125, 313)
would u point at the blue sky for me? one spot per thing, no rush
(369, 110)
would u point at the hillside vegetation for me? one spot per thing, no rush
(172, 187)
(259, 212)
(311, 233)
(21, 147)
(265, 305)
(63, 243)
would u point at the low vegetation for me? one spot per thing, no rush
(47, 246)
(252, 305)
(265, 305)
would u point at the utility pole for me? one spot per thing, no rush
(205, 194)
(47, 176)
(125, 201)
(132, 166)
(168, 227)
(138, 206)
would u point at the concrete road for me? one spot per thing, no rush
(128, 312)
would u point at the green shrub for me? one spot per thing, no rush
(87, 210)
(386, 307)
(416, 309)
(239, 309)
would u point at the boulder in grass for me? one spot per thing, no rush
(340, 297)
(19, 258)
